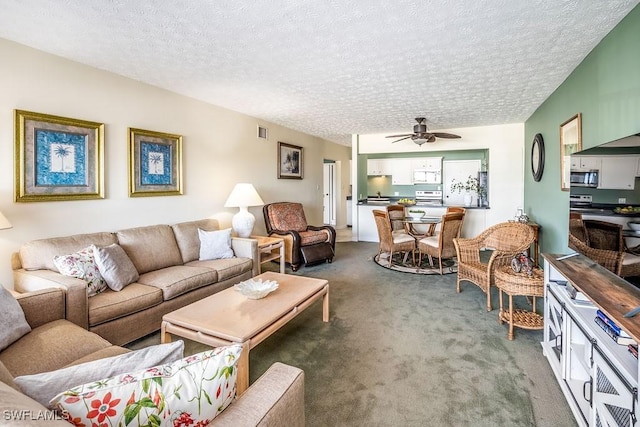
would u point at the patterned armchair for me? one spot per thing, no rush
(303, 243)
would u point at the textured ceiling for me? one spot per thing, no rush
(332, 68)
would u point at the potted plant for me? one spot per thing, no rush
(471, 185)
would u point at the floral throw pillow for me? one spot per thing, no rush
(188, 392)
(82, 265)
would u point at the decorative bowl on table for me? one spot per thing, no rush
(415, 214)
(256, 288)
(406, 202)
(634, 225)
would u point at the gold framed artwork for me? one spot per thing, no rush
(155, 163)
(570, 142)
(57, 158)
(290, 161)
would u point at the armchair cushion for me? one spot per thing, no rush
(313, 236)
(287, 216)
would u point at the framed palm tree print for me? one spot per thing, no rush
(57, 158)
(155, 163)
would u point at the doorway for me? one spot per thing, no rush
(329, 192)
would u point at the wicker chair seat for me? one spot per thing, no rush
(392, 242)
(441, 244)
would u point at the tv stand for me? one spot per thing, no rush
(598, 376)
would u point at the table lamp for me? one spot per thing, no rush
(243, 196)
(4, 222)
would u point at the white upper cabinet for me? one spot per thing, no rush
(585, 162)
(427, 163)
(618, 172)
(379, 166)
(401, 172)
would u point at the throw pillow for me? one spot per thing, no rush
(215, 244)
(14, 324)
(115, 266)
(191, 391)
(45, 386)
(82, 265)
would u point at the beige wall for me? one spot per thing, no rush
(220, 148)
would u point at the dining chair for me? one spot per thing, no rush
(434, 229)
(396, 217)
(441, 245)
(389, 242)
(505, 240)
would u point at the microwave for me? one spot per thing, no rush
(423, 176)
(587, 178)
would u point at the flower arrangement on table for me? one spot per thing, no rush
(471, 185)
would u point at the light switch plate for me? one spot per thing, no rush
(622, 200)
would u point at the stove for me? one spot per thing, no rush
(580, 201)
(428, 198)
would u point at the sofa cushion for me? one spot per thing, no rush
(178, 280)
(150, 248)
(115, 266)
(6, 377)
(186, 234)
(215, 244)
(82, 265)
(44, 386)
(39, 254)
(14, 324)
(49, 347)
(110, 305)
(167, 395)
(226, 268)
(114, 350)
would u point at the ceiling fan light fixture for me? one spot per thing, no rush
(420, 140)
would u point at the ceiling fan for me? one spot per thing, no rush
(421, 134)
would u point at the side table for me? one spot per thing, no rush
(270, 248)
(512, 283)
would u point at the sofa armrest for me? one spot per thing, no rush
(247, 248)
(43, 306)
(75, 290)
(275, 399)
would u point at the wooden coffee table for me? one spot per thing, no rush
(229, 317)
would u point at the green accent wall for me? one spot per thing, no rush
(605, 88)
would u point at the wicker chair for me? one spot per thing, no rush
(390, 242)
(396, 215)
(441, 245)
(507, 239)
(604, 235)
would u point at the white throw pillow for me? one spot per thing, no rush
(189, 392)
(115, 266)
(215, 244)
(82, 265)
(14, 324)
(45, 386)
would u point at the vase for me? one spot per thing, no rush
(467, 199)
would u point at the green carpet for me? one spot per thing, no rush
(407, 350)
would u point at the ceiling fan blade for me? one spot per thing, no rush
(432, 138)
(401, 139)
(446, 135)
(398, 136)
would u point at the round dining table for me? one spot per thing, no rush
(410, 224)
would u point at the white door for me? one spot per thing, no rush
(460, 171)
(329, 194)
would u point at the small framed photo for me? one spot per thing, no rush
(290, 161)
(57, 158)
(155, 163)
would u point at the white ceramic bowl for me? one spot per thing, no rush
(416, 215)
(256, 289)
(634, 225)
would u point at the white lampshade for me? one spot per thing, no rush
(243, 196)
(4, 222)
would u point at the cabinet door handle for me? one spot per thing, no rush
(584, 391)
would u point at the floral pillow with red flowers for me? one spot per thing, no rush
(189, 392)
(82, 265)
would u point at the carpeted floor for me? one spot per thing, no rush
(406, 350)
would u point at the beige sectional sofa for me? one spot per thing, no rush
(166, 258)
(275, 399)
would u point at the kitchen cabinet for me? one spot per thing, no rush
(585, 162)
(598, 377)
(427, 163)
(401, 172)
(618, 172)
(379, 167)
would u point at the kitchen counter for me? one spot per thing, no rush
(385, 201)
